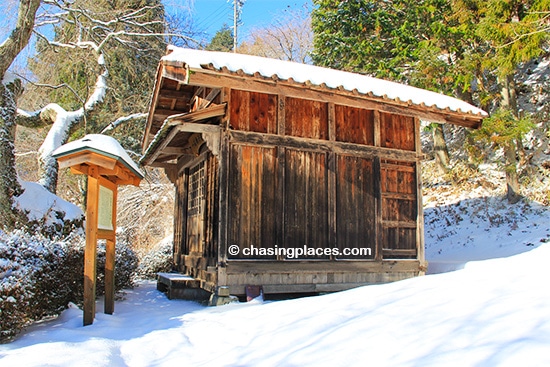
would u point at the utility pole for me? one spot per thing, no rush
(235, 23)
(237, 4)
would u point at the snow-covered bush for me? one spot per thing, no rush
(39, 276)
(157, 259)
(47, 213)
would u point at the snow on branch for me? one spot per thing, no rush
(94, 31)
(121, 120)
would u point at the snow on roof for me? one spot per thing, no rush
(102, 144)
(316, 75)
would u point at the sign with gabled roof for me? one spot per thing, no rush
(107, 165)
(103, 151)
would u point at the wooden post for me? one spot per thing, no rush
(109, 306)
(109, 234)
(90, 252)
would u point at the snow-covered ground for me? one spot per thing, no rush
(493, 312)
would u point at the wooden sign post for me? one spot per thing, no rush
(107, 166)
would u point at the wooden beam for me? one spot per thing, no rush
(323, 145)
(290, 267)
(215, 79)
(87, 157)
(90, 252)
(172, 94)
(175, 150)
(199, 115)
(160, 114)
(398, 224)
(198, 128)
(186, 122)
(209, 98)
(163, 165)
(147, 135)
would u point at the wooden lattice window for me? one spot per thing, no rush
(197, 190)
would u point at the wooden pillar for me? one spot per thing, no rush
(420, 206)
(109, 305)
(90, 252)
(110, 237)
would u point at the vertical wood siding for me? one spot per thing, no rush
(306, 200)
(354, 125)
(211, 211)
(306, 119)
(180, 220)
(252, 198)
(399, 209)
(253, 111)
(355, 205)
(397, 132)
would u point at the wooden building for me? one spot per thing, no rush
(290, 176)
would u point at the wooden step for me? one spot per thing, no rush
(180, 286)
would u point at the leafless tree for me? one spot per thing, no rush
(288, 37)
(95, 34)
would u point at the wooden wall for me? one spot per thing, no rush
(292, 173)
(316, 175)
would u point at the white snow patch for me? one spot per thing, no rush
(42, 204)
(9, 78)
(302, 73)
(492, 313)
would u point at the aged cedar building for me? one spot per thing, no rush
(268, 155)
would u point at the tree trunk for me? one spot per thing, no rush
(512, 182)
(9, 49)
(440, 148)
(509, 101)
(19, 37)
(9, 185)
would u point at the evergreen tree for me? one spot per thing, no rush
(468, 48)
(222, 40)
(500, 23)
(387, 39)
(380, 38)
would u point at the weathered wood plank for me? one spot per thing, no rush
(253, 111)
(307, 119)
(356, 207)
(354, 125)
(252, 198)
(397, 131)
(319, 266)
(320, 145)
(306, 199)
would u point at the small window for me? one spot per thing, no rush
(196, 190)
